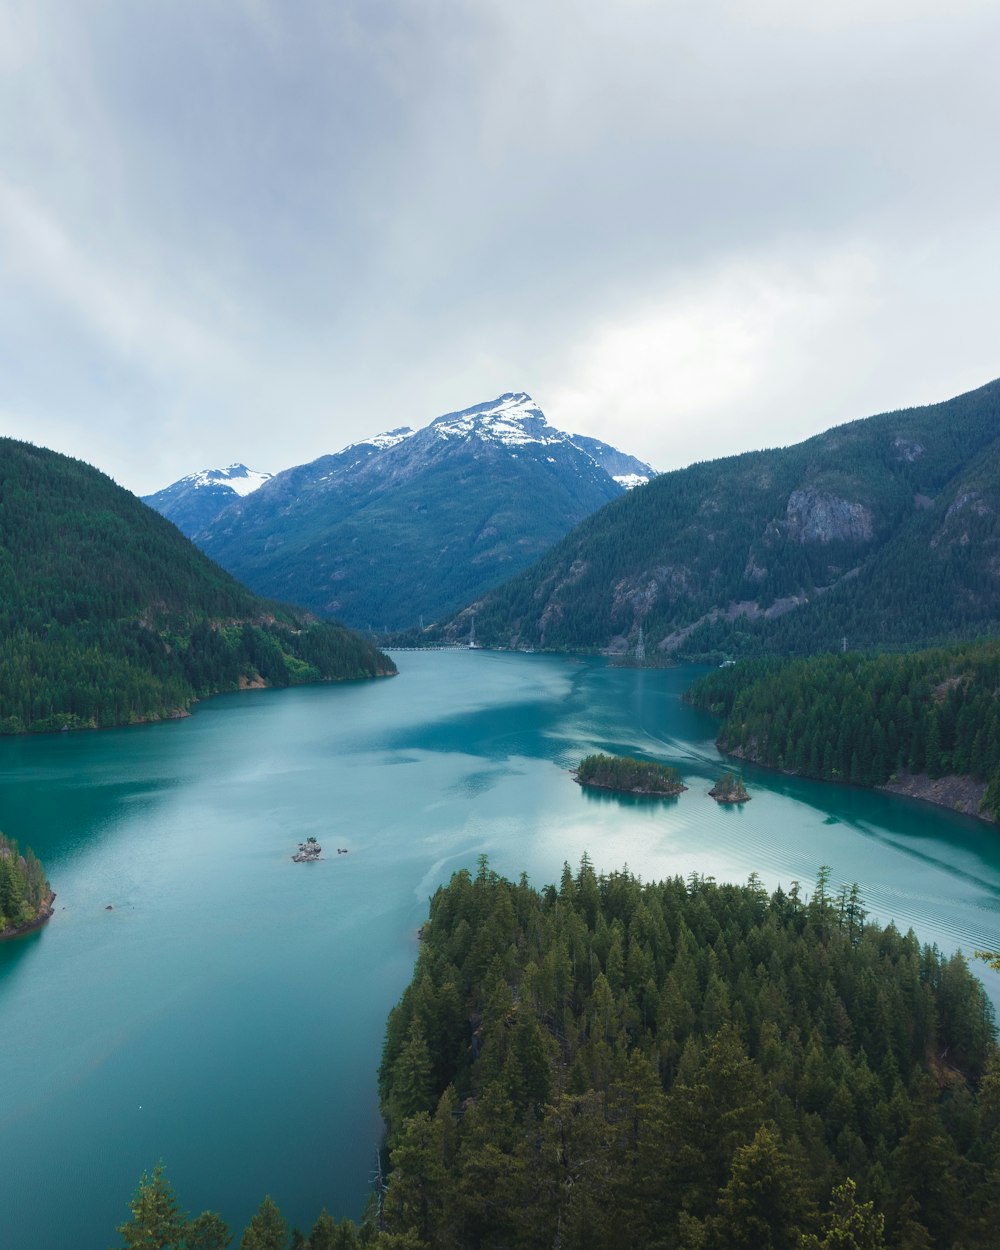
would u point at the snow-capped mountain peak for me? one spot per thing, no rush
(513, 419)
(452, 508)
(237, 477)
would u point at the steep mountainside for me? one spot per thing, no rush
(109, 615)
(415, 523)
(196, 500)
(883, 531)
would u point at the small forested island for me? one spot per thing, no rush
(607, 1063)
(730, 789)
(629, 776)
(923, 723)
(25, 896)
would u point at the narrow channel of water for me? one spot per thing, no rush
(226, 1014)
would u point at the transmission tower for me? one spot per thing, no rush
(640, 649)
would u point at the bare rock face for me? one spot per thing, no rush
(908, 449)
(815, 517)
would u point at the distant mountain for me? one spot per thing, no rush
(882, 531)
(109, 615)
(196, 500)
(414, 523)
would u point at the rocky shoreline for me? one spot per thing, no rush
(958, 794)
(45, 913)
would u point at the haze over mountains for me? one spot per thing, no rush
(410, 524)
(885, 530)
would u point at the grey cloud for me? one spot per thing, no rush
(258, 231)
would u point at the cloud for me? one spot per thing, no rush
(690, 375)
(119, 308)
(271, 229)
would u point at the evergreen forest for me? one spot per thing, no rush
(678, 1065)
(864, 718)
(23, 888)
(110, 616)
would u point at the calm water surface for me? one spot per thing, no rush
(226, 1015)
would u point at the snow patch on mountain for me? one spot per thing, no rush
(237, 477)
(390, 438)
(514, 420)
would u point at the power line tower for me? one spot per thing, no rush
(640, 649)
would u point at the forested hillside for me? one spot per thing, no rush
(884, 530)
(109, 615)
(866, 719)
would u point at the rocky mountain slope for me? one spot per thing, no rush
(414, 523)
(882, 531)
(109, 615)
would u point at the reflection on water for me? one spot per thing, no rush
(595, 794)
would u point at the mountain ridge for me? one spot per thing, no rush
(413, 522)
(884, 530)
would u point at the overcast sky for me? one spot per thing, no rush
(254, 230)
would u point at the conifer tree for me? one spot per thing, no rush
(156, 1223)
(267, 1229)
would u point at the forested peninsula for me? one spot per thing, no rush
(925, 723)
(629, 776)
(680, 1065)
(25, 895)
(110, 616)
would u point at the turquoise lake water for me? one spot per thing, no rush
(227, 1014)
